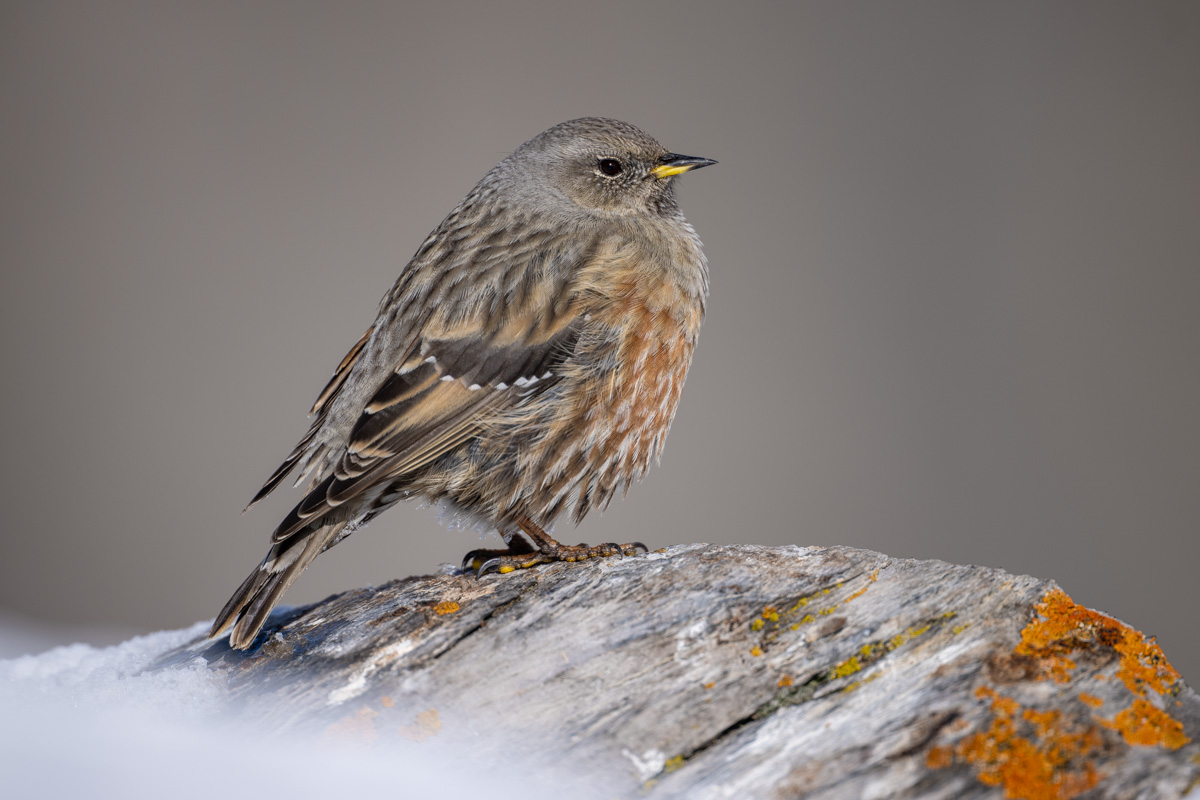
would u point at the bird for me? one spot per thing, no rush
(527, 362)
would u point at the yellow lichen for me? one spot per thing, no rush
(757, 625)
(446, 607)
(873, 676)
(756, 651)
(770, 613)
(807, 618)
(847, 667)
(673, 764)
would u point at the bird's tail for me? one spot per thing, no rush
(252, 603)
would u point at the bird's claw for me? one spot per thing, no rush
(491, 565)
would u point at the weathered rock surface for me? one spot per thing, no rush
(752, 672)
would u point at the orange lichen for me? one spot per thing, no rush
(427, 724)
(1066, 627)
(1147, 725)
(446, 607)
(786, 680)
(1038, 755)
(359, 727)
(874, 577)
(770, 613)
(756, 651)
(710, 684)
(1143, 664)
(863, 590)
(1043, 721)
(939, 757)
(1048, 764)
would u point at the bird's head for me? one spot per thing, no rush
(603, 165)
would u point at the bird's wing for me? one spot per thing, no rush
(496, 344)
(466, 284)
(320, 409)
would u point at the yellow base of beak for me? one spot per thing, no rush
(667, 170)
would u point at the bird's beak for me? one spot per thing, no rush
(675, 164)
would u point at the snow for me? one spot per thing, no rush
(91, 722)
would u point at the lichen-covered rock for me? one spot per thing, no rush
(703, 672)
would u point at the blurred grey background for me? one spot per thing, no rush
(955, 253)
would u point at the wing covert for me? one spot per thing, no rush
(459, 372)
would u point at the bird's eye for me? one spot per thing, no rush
(610, 166)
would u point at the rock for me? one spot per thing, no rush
(701, 671)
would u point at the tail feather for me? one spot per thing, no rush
(254, 600)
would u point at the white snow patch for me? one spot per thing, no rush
(82, 721)
(648, 764)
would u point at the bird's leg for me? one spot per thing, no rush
(547, 550)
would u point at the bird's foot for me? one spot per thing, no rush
(504, 561)
(518, 548)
